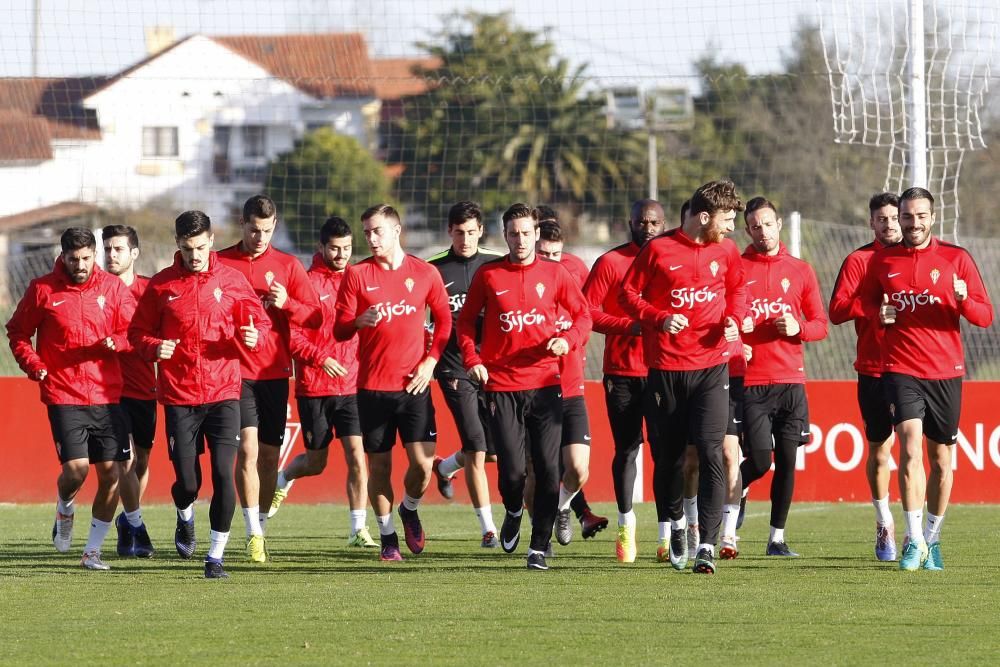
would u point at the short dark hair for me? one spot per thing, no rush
(129, 233)
(385, 210)
(756, 204)
(77, 238)
(547, 214)
(192, 223)
(463, 211)
(519, 210)
(334, 228)
(716, 196)
(259, 206)
(916, 193)
(549, 231)
(882, 199)
(685, 207)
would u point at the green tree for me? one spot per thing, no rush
(325, 174)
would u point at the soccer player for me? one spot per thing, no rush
(79, 315)
(280, 280)
(575, 453)
(326, 387)
(138, 402)
(883, 209)
(787, 311)
(624, 368)
(686, 287)
(920, 290)
(384, 300)
(520, 297)
(193, 319)
(465, 398)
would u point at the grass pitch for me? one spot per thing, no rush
(320, 602)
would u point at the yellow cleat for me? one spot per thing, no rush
(625, 544)
(663, 551)
(256, 551)
(279, 497)
(362, 539)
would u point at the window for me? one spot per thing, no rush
(159, 142)
(254, 141)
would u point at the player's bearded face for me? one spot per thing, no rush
(763, 226)
(118, 257)
(649, 225)
(80, 264)
(916, 221)
(885, 223)
(521, 237)
(337, 253)
(719, 225)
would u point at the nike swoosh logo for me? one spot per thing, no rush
(674, 268)
(726, 387)
(893, 275)
(372, 289)
(433, 432)
(447, 285)
(737, 421)
(586, 437)
(510, 545)
(324, 297)
(804, 433)
(751, 282)
(173, 298)
(502, 292)
(127, 451)
(58, 303)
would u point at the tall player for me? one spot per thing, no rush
(465, 398)
(79, 316)
(883, 218)
(384, 301)
(687, 289)
(787, 311)
(326, 387)
(520, 297)
(920, 290)
(280, 281)
(624, 369)
(138, 402)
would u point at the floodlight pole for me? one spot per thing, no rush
(651, 151)
(918, 98)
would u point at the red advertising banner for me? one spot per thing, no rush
(831, 465)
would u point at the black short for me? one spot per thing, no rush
(937, 403)
(735, 424)
(384, 413)
(774, 411)
(190, 426)
(533, 416)
(140, 415)
(688, 407)
(326, 417)
(576, 424)
(874, 407)
(467, 404)
(94, 432)
(264, 406)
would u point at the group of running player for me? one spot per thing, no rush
(703, 344)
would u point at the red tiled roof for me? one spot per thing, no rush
(23, 137)
(61, 211)
(58, 101)
(396, 78)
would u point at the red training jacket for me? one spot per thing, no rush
(622, 344)
(203, 310)
(845, 305)
(138, 374)
(573, 365)
(72, 322)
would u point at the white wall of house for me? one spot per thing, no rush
(30, 185)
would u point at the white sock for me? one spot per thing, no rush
(709, 547)
(65, 507)
(410, 503)
(914, 525)
(283, 482)
(385, 524)
(186, 513)
(485, 516)
(664, 528)
(358, 520)
(217, 544)
(932, 531)
(680, 524)
(730, 513)
(517, 513)
(691, 510)
(777, 535)
(745, 492)
(134, 518)
(262, 518)
(251, 516)
(449, 466)
(98, 531)
(626, 519)
(883, 514)
(566, 497)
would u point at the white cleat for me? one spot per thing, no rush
(92, 561)
(62, 532)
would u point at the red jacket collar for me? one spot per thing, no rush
(752, 254)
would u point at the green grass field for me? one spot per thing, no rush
(319, 602)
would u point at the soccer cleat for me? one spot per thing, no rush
(564, 529)
(692, 540)
(536, 561)
(390, 553)
(914, 555)
(445, 487)
(62, 532)
(780, 549)
(126, 542)
(625, 549)
(591, 523)
(278, 498)
(934, 561)
(885, 542)
(413, 530)
(510, 532)
(490, 540)
(678, 548)
(92, 561)
(142, 545)
(729, 550)
(663, 551)
(743, 513)
(213, 569)
(362, 539)
(256, 549)
(184, 538)
(704, 562)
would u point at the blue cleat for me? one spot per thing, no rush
(914, 556)
(780, 549)
(885, 542)
(126, 540)
(184, 538)
(934, 561)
